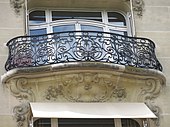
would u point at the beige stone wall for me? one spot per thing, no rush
(11, 25)
(155, 24)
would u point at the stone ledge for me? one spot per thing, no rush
(62, 68)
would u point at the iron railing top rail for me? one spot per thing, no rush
(74, 46)
(100, 32)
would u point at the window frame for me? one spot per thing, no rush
(104, 15)
(116, 121)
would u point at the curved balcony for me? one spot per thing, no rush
(81, 46)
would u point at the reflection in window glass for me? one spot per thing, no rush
(38, 31)
(116, 19)
(91, 28)
(58, 15)
(86, 122)
(63, 28)
(37, 17)
(129, 123)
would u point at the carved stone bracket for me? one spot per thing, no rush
(148, 94)
(22, 114)
(17, 5)
(21, 90)
(85, 87)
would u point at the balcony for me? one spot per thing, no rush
(82, 66)
(81, 46)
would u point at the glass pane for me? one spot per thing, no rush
(86, 122)
(38, 31)
(43, 122)
(91, 28)
(117, 19)
(58, 15)
(63, 28)
(36, 17)
(129, 123)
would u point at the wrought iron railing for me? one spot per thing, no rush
(75, 46)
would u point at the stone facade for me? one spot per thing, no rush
(120, 83)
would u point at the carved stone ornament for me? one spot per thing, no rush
(138, 6)
(17, 5)
(20, 89)
(85, 87)
(22, 92)
(22, 114)
(148, 94)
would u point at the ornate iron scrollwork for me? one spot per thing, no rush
(75, 46)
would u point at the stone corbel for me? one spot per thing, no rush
(17, 5)
(22, 114)
(19, 88)
(149, 93)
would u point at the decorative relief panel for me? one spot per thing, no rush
(85, 87)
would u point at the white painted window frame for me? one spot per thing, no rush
(105, 24)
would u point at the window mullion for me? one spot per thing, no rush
(77, 26)
(105, 21)
(48, 21)
(117, 122)
(54, 122)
